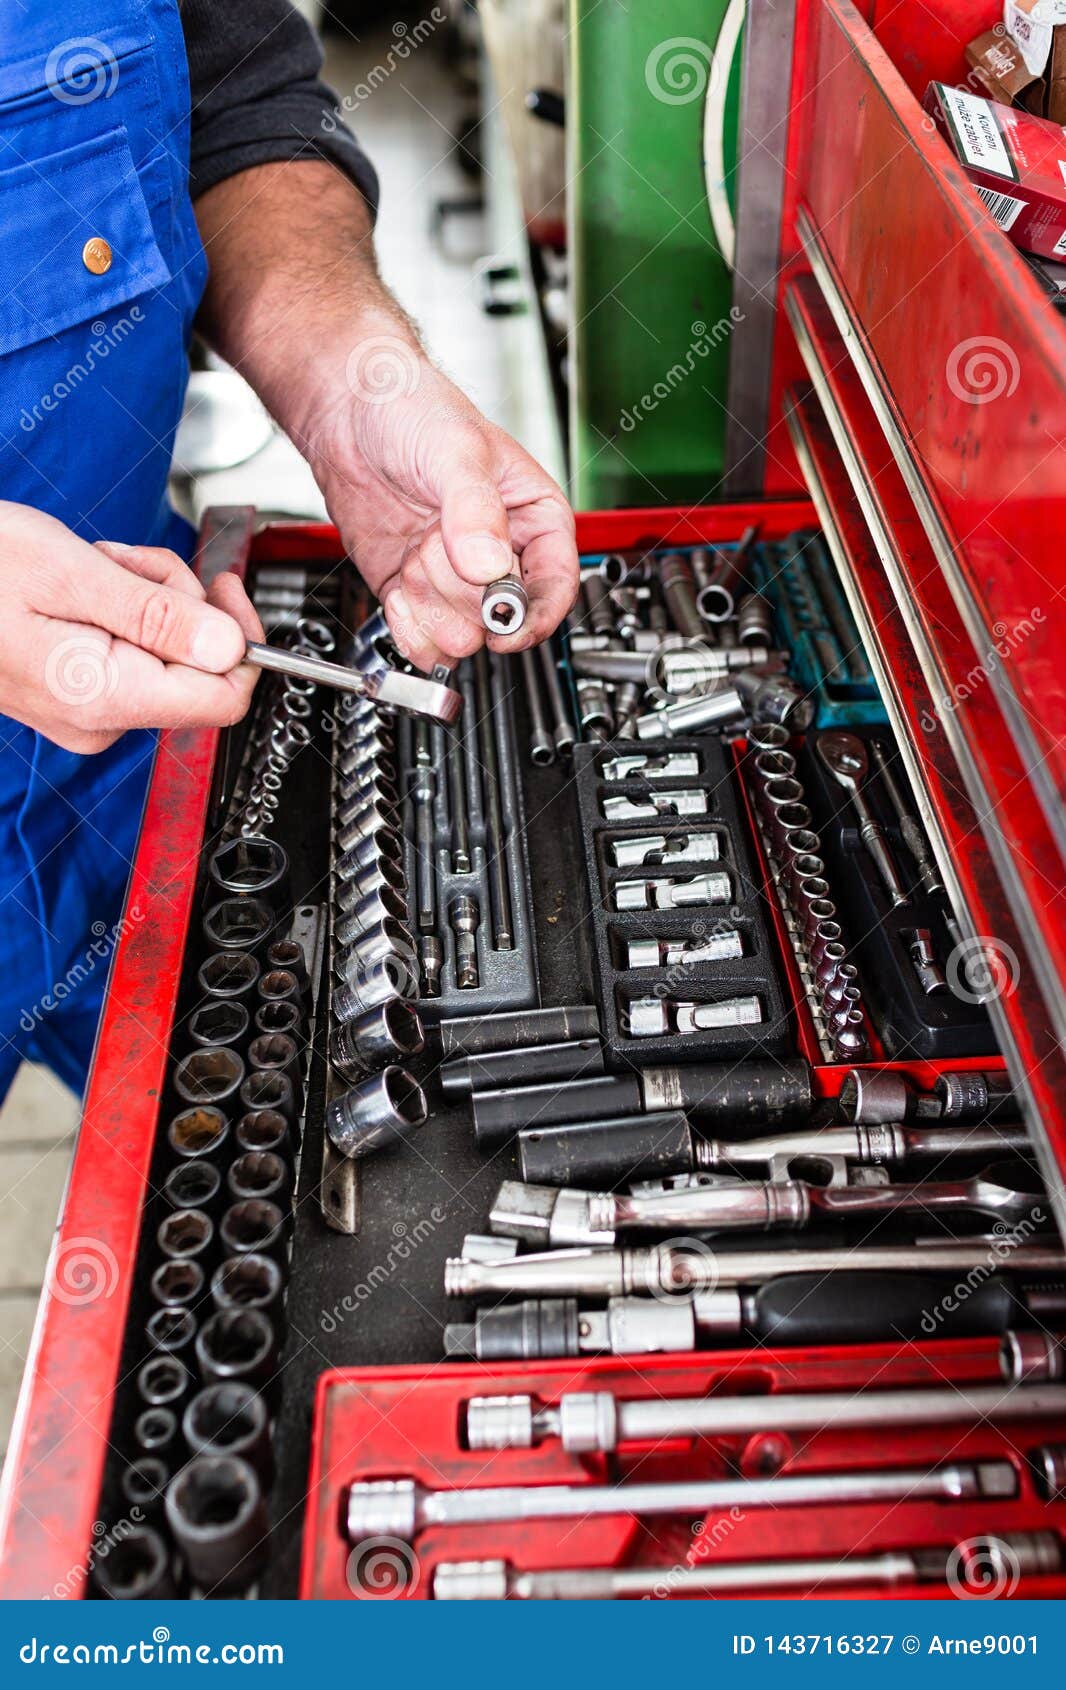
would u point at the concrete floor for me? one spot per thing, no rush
(405, 123)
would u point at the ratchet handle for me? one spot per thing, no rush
(808, 1308)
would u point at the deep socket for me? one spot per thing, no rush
(254, 1226)
(230, 1418)
(193, 1185)
(229, 975)
(580, 1058)
(259, 1173)
(171, 1330)
(264, 1129)
(252, 1281)
(216, 1512)
(238, 1344)
(211, 1074)
(198, 1132)
(137, 1568)
(174, 1284)
(222, 1021)
(269, 1089)
(185, 1235)
(376, 1113)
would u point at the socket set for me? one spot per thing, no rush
(814, 621)
(682, 1245)
(924, 984)
(193, 1447)
(467, 868)
(601, 1481)
(683, 960)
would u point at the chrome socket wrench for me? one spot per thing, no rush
(669, 1268)
(1004, 1556)
(682, 803)
(545, 1215)
(376, 1113)
(664, 850)
(589, 1421)
(403, 1509)
(664, 894)
(651, 1017)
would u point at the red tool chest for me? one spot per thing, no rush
(919, 384)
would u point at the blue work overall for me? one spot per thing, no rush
(101, 272)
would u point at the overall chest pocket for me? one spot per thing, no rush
(78, 239)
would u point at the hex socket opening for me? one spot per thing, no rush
(163, 1380)
(176, 1283)
(170, 1328)
(258, 1173)
(208, 1075)
(247, 1282)
(192, 1185)
(198, 1131)
(228, 974)
(263, 1129)
(223, 1021)
(253, 1224)
(187, 1232)
(225, 1416)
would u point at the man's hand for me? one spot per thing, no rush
(98, 639)
(432, 500)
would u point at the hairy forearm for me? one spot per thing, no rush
(293, 286)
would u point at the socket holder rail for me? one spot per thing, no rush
(815, 625)
(722, 827)
(947, 1023)
(506, 975)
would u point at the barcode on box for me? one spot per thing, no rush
(1005, 208)
(1059, 249)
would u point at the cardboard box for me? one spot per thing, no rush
(1001, 71)
(1016, 162)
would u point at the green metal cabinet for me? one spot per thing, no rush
(652, 293)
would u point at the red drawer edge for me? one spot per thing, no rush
(963, 357)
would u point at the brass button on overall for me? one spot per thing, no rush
(96, 255)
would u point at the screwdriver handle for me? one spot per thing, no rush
(808, 1308)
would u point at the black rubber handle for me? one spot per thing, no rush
(808, 1308)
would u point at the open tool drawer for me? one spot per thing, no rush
(939, 520)
(371, 1296)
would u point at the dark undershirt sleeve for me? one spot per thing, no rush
(256, 94)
